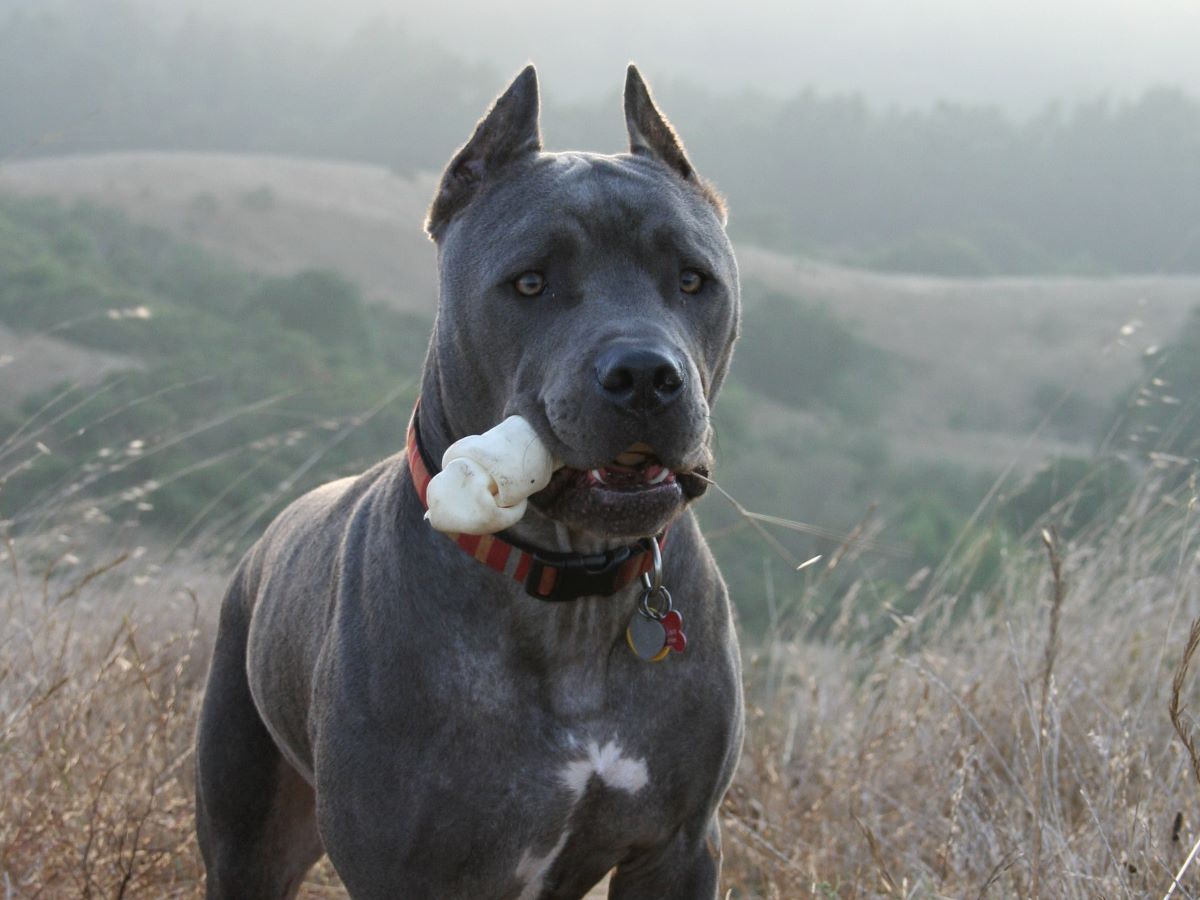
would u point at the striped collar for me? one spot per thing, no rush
(546, 575)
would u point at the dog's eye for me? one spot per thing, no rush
(690, 281)
(530, 284)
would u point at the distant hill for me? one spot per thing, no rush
(1097, 186)
(981, 360)
(268, 213)
(150, 381)
(988, 357)
(30, 364)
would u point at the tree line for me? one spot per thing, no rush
(1095, 187)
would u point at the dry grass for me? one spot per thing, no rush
(96, 711)
(1019, 747)
(1023, 750)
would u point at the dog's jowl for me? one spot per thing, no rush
(511, 714)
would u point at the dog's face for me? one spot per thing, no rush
(597, 297)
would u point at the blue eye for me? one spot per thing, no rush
(530, 284)
(690, 281)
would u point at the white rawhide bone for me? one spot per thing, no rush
(486, 478)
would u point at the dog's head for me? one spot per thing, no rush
(597, 297)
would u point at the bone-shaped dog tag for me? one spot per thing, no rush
(672, 624)
(653, 639)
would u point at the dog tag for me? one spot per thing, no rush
(652, 639)
(672, 624)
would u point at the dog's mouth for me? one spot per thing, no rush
(634, 494)
(637, 471)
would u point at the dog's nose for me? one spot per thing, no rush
(639, 379)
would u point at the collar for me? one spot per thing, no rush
(545, 574)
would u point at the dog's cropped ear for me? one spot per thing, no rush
(507, 132)
(651, 135)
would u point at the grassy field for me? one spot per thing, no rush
(1013, 741)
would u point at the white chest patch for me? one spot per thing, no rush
(610, 765)
(615, 770)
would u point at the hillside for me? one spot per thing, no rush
(986, 358)
(271, 214)
(980, 360)
(30, 364)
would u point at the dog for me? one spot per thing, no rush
(507, 716)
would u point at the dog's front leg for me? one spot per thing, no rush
(687, 868)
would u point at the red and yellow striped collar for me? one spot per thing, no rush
(545, 575)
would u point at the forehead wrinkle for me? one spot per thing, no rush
(695, 246)
(617, 205)
(591, 188)
(492, 236)
(657, 212)
(586, 182)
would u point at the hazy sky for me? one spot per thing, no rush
(1017, 53)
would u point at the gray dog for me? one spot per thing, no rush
(486, 717)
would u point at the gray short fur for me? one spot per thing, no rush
(378, 695)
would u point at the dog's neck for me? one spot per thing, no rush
(575, 643)
(573, 640)
(538, 530)
(436, 431)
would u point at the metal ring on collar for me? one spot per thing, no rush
(652, 612)
(653, 580)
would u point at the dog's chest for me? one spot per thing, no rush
(541, 742)
(581, 769)
(608, 782)
(602, 799)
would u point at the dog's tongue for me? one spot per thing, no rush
(636, 455)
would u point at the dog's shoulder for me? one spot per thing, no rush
(312, 530)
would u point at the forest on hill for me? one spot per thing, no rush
(1088, 187)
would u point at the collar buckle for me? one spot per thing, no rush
(576, 576)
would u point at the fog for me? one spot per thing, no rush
(1015, 54)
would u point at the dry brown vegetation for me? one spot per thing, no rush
(1012, 743)
(98, 699)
